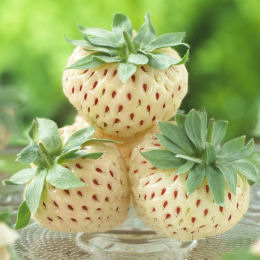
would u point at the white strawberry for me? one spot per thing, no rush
(124, 84)
(184, 184)
(70, 191)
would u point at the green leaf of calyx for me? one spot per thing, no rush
(102, 140)
(76, 154)
(241, 153)
(162, 159)
(137, 58)
(166, 40)
(21, 177)
(121, 23)
(189, 158)
(219, 129)
(176, 135)
(94, 31)
(216, 184)
(48, 134)
(146, 33)
(193, 127)
(232, 146)
(180, 119)
(247, 169)
(211, 155)
(87, 62)
(63, 178)
(195, 178)
(23, 216)
(77, 139)
(184, 168)
(28, 154)
(33, 191)
(82, 43)
(161, 61)
(126, 70)
(230, 175)
(169, 145)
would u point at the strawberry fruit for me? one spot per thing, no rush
(185, 184)
(123, 83)
(78, 185)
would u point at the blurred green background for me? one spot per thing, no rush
(224, 66)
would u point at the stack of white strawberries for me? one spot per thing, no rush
(129, 141)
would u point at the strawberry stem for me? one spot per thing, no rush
(45, 155)
(128, 41)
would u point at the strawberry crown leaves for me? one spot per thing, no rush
(195, 146)
(121, 46)
(47, 152)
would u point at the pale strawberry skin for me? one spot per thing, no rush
(124, 110)
(161, 201)
(99, 206)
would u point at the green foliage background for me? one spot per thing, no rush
(224, 66)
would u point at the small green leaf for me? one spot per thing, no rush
(125, 71)
(95, 31)
(230, 175)
(79, 138)
(162, 159)
(176, 135)
(94, 156)
(195, 178)
(28, 154)
(87, 62)
(248, 170)
(216, 184)
(210, 153)
(82, 43)
(188, 158)
(32, 132)
(166, 40)
(33, 191)
(121, 23)
(21, 177)
(161, 61)
(104, 50)
(180, 119)
(63, 178)
(193, 128)
(78, 154)
(108, 59)
(184, 168)
(219, 129)
(48, 135)
(146, 33)
(102, 140)
(169, 145)
(232, 146)
(241, 153)
(23, 216)
(103, 41)
(138, 59)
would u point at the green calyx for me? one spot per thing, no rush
(121, 46)
(194, 146)
(47, 152)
